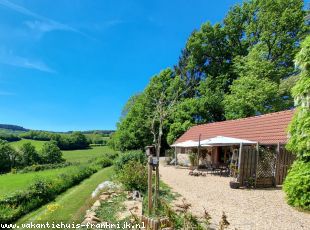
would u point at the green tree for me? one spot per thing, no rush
(250, 96)
(29, 154)
(7, 157)
(51, 154)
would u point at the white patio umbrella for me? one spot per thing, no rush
(185, 144)
(222, 141)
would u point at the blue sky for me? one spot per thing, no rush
(73, 64)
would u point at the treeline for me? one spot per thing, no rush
(75, 140)
(9, 137)
(13, 127)
(27, 155)
(241, 67)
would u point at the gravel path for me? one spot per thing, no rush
(245, 209)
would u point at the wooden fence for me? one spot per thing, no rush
(283, 163)
(267, 168)
(155, 224)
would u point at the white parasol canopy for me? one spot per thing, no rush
(223, 141)
(184, 144)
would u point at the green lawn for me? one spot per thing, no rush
(71, 205)
(13, 182)
(83, 156)
(18, 144)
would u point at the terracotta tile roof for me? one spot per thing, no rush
(266, 129)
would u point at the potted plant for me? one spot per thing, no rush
(192, 159)
(234, 172)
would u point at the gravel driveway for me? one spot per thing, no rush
(245, 209)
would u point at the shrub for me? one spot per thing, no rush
(297, 185)
(134, 176)
(104, 162)
(35, 168)
(111, 155)
(124, 158)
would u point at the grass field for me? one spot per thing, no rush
(18, 144)
(13, 182)
(83, 156)
(71, 205)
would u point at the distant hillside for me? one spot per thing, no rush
(13, 127)
(16, 128)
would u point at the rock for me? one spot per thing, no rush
(106, 185)
(97, 203)
(96, 219)
(104, 197)
(90, 213)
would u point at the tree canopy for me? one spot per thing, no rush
(242, 66)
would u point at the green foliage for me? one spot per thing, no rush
(42, 191)
(51, 154)
(125, 158)
(36, 168)
(193, 159)
(297, 182)
(29, 155)
(8, 157)
(250, 96)
(299, 142)
(297, 185)
(104, 162)
(74, 140)
(9, 137)
(133, 176)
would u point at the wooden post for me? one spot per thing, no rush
(175, 156)
(150, 172)
(257, 154)
(276, 164)
(198, 152)
(239, 164)
(156, 186)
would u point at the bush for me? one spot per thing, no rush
(297, 185)
(124, 158)
(40, 192)
(104, 162)
(134, 176)
(35, 168)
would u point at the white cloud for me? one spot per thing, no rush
(13, 60)
(43, 24)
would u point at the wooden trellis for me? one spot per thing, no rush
(267, 165)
